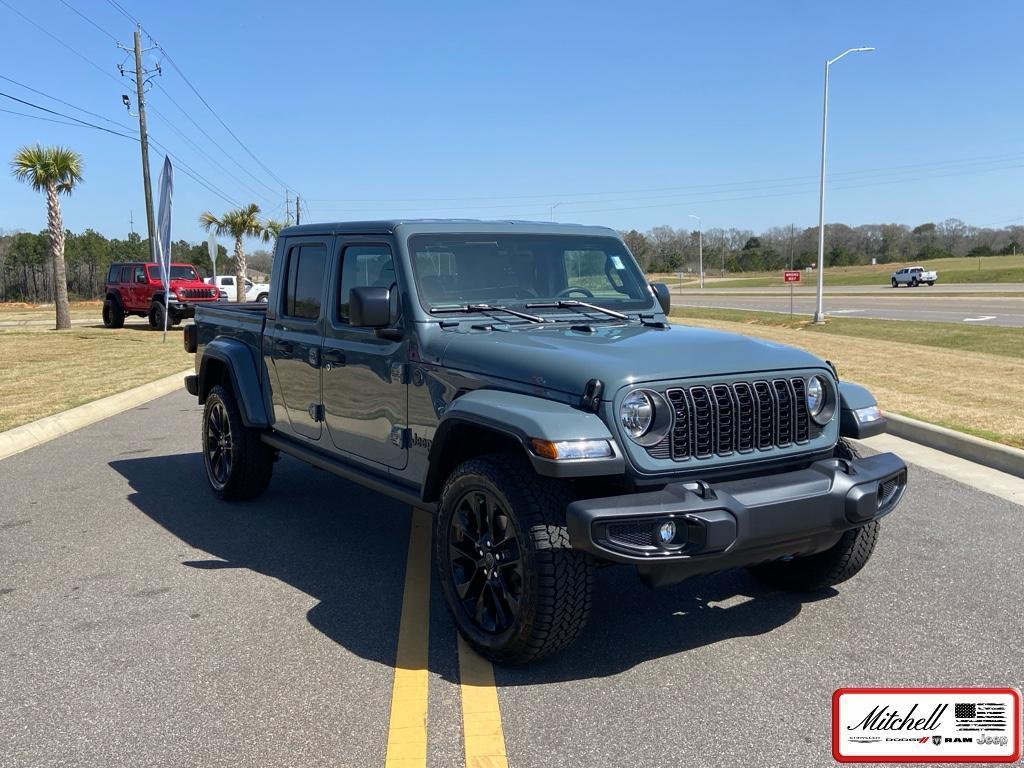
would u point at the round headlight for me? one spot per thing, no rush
(815, 396)
(636, 414)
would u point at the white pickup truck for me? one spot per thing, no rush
(913, 277)
(253, 291)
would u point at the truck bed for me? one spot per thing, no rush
(239, 321)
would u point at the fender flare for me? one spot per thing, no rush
(853, 397)
(518, 418)
(237, 359)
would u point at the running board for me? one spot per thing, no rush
(349, 471)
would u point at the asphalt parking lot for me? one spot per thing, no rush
(144, 623)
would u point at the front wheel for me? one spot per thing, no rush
(514, 586)
(262, 298)
(156, 316)
(842, 561)
(238, 463)
(894, 283)
(931, 283)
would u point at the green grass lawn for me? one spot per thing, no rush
(991, 340)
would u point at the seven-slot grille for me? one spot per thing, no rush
(196, 293)
(721, 419)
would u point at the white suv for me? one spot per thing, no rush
(913, 277)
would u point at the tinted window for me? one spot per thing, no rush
(113, 273)
(305, 281)
(126, 274)
(364, 265)
(140, 275)
(227, 281)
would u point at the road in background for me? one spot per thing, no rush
(144, 623)
(897, 304)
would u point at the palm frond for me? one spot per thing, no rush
(41, 166)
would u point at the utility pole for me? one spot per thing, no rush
(287, 208)
(141, 79)
(131, 221)
(298, 211)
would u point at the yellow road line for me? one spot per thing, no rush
(481, 717)
(407, 729)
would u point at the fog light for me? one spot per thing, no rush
(666, 532)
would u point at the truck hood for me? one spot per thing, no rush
(563, 359)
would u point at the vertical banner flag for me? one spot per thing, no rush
(163, 231)
(211, 244)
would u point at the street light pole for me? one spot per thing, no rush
(551, 211)
(819, 313)
(700, 246)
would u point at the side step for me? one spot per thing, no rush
(348, 471)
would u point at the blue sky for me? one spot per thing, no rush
(626, 114)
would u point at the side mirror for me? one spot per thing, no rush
(661, 293)
(369, 306)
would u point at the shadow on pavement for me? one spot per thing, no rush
(346, 546)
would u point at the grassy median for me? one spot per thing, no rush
(969, 379)
(43, 371)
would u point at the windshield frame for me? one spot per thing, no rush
(155, 272)
(609, 243)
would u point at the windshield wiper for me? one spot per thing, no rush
(467, 308)
(573, 303)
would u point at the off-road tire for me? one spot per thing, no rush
(251, 460)
(557, 580)
(113, 314)
(835, 565)
(156, 316)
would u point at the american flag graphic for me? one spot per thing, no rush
(980, 716)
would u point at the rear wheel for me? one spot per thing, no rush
(835, 565)
(913, 283)
(113, 314)
(514, 586)
(931, 282)
(238, 463)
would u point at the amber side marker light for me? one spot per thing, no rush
(567, 450)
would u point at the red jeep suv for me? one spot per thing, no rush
(137, 288)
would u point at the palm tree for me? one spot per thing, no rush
(239, 223)
(55, 171)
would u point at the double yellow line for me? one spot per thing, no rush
(483, 738)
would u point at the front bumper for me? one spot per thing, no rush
(187, 308)
(739, 522)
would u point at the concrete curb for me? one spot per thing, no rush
(984, 452)
(59, 424)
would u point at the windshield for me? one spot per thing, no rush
(516, 270)
(177, 273)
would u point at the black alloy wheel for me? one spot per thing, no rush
(485, 561)
(218, 445)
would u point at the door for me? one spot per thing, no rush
(124, 288)
(364, 372)
(291, 341)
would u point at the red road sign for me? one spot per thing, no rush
(791, 276)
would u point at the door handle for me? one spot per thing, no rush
(285, 348)
(332, 357)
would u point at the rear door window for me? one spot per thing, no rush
(114, 273)
(305, 281)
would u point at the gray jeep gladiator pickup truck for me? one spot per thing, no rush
(521, 382)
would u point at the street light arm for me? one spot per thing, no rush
(830, 62)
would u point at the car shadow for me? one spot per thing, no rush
(346, 547)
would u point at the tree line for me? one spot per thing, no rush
(665, 249)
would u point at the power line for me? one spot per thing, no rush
(40, 117)
(74, 10)
(65, 103)
(212, 140)
(170, 60)
(69, 117)
(120, 9)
